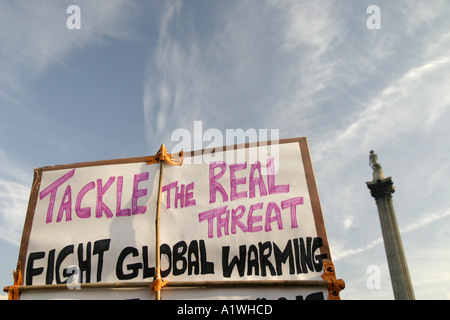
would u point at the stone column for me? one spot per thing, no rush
(381, 189)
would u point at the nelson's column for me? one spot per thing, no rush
(381, 188)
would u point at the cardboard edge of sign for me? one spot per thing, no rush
(307, 164)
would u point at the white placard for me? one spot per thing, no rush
(248, 219)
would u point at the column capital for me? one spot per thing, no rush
(381, 189)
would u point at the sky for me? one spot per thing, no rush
(347, 78)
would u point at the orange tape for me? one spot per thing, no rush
(158, 283)
(13, 291)
(334, 285)
(162, 155)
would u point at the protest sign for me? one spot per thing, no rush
(244, 222)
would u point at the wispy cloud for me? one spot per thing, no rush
(414, 101)
(14, 193)
(267, 67)
(34, 35)
(427, 219)
(340, 253)
(169, 74)
(280, 68)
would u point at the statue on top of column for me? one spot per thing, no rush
(378, 173)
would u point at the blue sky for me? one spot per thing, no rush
(138, 70)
